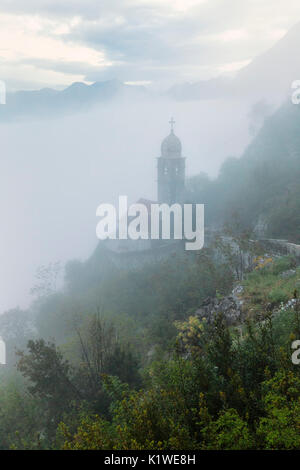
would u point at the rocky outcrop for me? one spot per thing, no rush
(287, 274)
(261, 227)
(230, 306)
(281, 247)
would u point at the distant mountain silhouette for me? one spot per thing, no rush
(268, 76)
(53, 103)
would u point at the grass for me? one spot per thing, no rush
(265, 290)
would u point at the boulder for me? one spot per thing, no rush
(230, 306)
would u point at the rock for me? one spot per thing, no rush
(230, 306)
(238, 290)
(288, 274)
(289, 305)
(261, 227)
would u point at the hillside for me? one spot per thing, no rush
(53, 103)
(98, 392)
(261, 186)
(268, 76)
(193, 351)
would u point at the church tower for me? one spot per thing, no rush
(171, 170)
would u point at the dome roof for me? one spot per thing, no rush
(171, 146)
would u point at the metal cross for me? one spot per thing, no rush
(172, 122)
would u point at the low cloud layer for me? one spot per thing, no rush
(56, 172)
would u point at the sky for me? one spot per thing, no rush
(52, 43)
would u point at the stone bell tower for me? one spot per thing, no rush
(171, 170)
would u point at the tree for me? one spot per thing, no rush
(50, 380)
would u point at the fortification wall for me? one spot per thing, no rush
(282, 247)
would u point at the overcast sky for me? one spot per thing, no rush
(56, 42)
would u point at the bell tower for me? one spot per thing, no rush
(171, 170)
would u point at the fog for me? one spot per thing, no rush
(56, 172)
(182, 335)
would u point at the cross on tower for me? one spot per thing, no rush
(172, 122)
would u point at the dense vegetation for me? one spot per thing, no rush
(170, 381)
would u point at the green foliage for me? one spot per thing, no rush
(284, 263)
(21, 421)
(265, 289)
(93, 433)
(228, 432)
(204, 386)
(50, 380)
(277, 296)
(230, 393)
(280, 428)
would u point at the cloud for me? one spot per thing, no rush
(34, 52)
(92, 9)
(134, 40)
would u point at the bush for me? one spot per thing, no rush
(277, 295)
(283, 264)
(228, 432)
(280, 428)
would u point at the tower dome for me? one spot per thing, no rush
(171, 170)
(171, 146)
